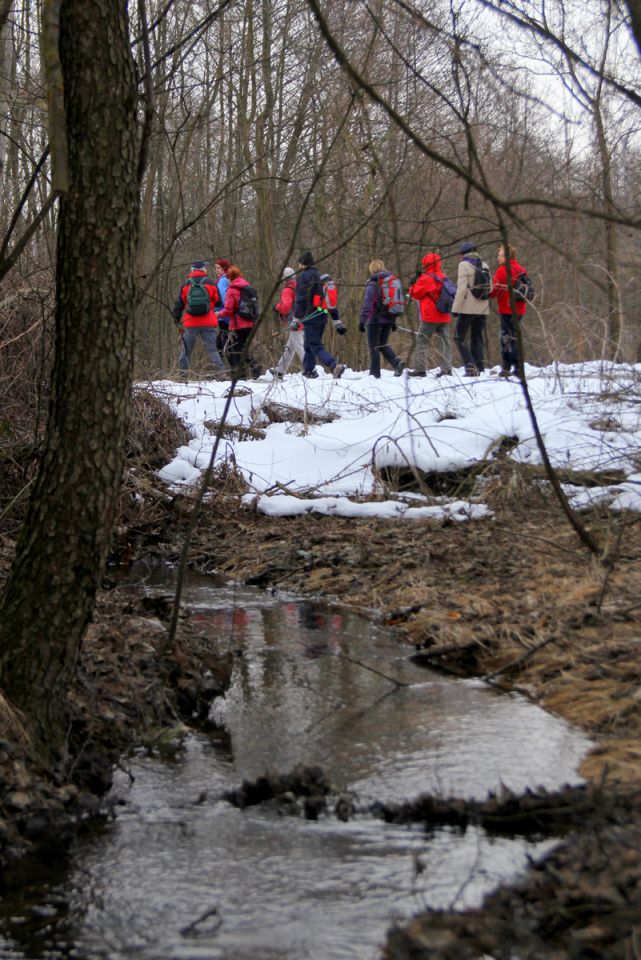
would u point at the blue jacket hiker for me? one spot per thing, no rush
(309, 309)
(377, 322)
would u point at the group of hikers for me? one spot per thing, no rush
(224, 311)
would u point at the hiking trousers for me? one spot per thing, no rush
(377, 336)
(238, 354)
(443, 346)
(313, 340)
(208, 335)
(295, 347)
(474, 324)
(509, 352)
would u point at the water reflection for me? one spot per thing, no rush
(310, 685)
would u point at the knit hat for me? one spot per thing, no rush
(288, 272)
(224, 264)
(306, 259)
(467, 247)
(199, 265)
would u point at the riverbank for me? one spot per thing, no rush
(514, 598)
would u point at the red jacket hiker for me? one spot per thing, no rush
(426, 290)
(180, 309)
(232, 302)
(500, 291)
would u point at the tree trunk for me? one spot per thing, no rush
(63, 545)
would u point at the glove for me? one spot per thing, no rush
(361, 328)
(393, 325)
(293, 323)
(178, 322)
(340, 328)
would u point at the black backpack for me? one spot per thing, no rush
(198, 300)
(248, 306)
(523, 289)
(482, 281)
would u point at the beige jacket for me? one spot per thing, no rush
(465, 301)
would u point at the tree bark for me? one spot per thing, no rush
(63, 545)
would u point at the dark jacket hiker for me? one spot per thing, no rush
(377, 321)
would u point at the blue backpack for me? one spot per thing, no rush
(446, 294)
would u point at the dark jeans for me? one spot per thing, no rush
(474, 324)
(239, 358)
(509, 352)
(314, 349)
(377, 336)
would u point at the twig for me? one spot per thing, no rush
(513, 664)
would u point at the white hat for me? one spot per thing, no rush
(288, 272)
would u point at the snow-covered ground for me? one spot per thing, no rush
(589, 415)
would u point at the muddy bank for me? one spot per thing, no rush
(514, 599)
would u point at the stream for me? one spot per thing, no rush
(180, 874)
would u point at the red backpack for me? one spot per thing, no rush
(392, 294)
(329, 298)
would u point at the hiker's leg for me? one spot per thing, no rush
(422, 342)
(188, 340)
(235, 351)
(461, 330)
(385, 349)
(209, 335)
(508, 341)
(477, 335)
(373, 331)
(445, 346)
(293, 347)
(314, 340)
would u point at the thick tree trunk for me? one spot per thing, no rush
(64, 542)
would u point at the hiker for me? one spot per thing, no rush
(311, 309)
(500, 293)
(471, 307)
(221, 266)
(284, 311)
(241, 324)
(427, 289)
(378, 322)
(194, 313)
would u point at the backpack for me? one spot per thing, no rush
(198, 300)
(392, 295)
(329, 298)
(523, 289)
(446, 294)
(482, 281)
(248, 305)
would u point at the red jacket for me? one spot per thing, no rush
(500, 291)
(232, 301)
(207, 319)
(285, 306)
(427, 289)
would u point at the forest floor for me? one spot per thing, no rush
(515, 599)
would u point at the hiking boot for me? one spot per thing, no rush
(471, 371)
(311, 374)
(275, 373)
(398, 368)
(444, 373)
(338, 371)
(416, 373)
(504, 373)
